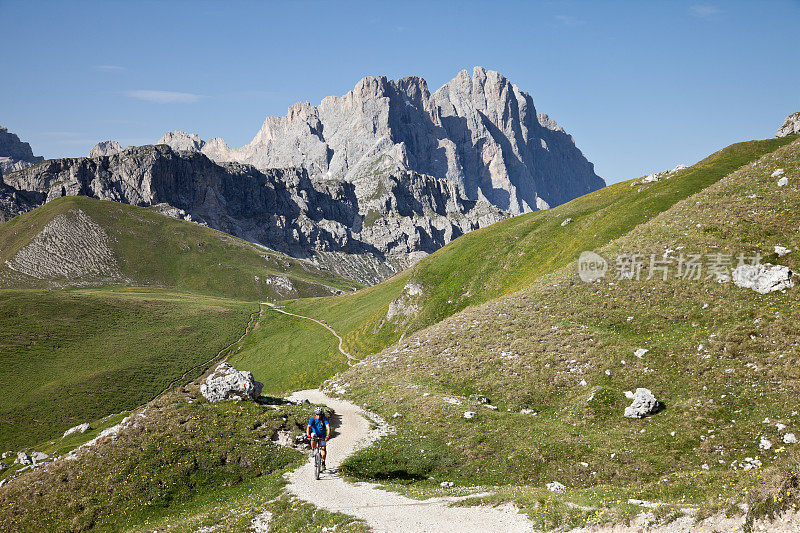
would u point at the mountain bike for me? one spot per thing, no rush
(317, 455)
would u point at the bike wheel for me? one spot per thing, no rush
(317, 465)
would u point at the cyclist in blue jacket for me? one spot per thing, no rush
(321, 428)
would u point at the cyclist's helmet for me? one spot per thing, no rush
(318, 411)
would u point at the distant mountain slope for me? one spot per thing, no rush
(513, 253)
(479, 131)
(364, 231)
(82, 241)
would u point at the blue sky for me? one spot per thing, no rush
(641, 85)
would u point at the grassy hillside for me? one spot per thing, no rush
(147, 248)
(68, 357)
(509, 255)
(289, 354)
(556, 359)
(184, 464)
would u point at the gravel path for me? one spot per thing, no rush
(386, 511)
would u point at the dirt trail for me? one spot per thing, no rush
(386, 511)
(350, 359)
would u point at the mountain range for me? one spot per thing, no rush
(365, 184)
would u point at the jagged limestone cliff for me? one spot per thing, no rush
(479, 131)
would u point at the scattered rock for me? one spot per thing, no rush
(780, 427)
(7, 454)
(644, 404)
(227, 383)
(261, 522)
(38, 457)
(642, 503)
(555, 486)
(640, 352)
(397, 415)
(527, 412)
(566, 221)
(445, 484)
(764, 444)
(23, 459)
(781, 250)
(763, 278)
(779, 172)
(789, 438)
(629, 394)
(80, 428)
(284, 438)
(3, 466)
(469, 414)
(783, 182)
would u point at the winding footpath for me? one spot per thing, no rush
(385, 511)
(350, 359)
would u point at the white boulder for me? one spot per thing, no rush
(23, 459)
(789, 438)
(644, 404)
(784, 181)
(38, 457)
(763, 278)
(555, 486)
(640, 352)
(469, 414)
(781, 250)
(765, 444)
(227, 383)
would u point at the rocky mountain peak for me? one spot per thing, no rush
(104, 148)
(180, 140)
(15, 154)
(478, 130)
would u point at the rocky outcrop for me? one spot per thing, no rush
(790, 126)
(366, 230)
(644, 404)
(478, 131)
(80, 428)
(763, 278)
(105, 148)
(227, 383)
(15, 154)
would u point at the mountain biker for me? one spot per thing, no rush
(319, 425)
